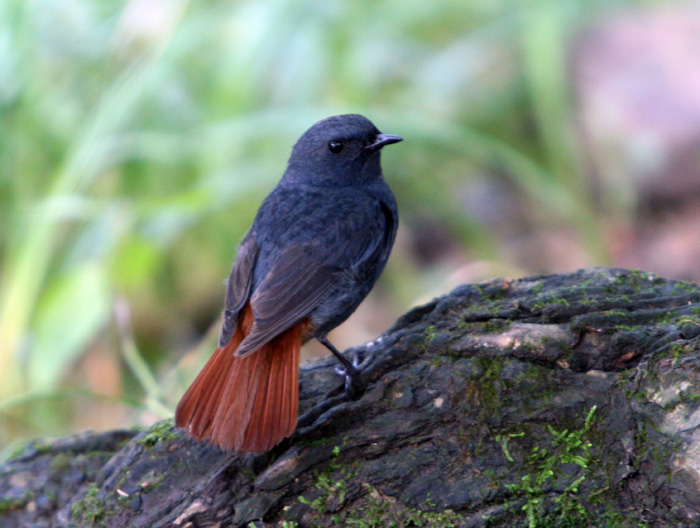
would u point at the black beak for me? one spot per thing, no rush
(383, 139)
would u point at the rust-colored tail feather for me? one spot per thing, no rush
(248, 404)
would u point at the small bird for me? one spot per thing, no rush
(318, 244)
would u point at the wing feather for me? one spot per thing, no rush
(303, 274)
(294, 286)
(238, 287)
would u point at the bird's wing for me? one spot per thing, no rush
(289, 292)
(304, 274)
(238, 287)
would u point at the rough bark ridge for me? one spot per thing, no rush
(554, 401)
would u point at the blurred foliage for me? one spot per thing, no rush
(138, 138)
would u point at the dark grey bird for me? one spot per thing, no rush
(318, 244)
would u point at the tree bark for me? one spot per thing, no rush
(553, 401)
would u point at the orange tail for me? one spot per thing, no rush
(246, 404)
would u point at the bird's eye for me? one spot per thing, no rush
(336, 147)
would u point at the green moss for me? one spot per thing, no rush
(90, 510)
(636, 280)
(550, 301)
(693, 321)
(495, 326)
(503, 440)
(329, 487)
(162, 431)
(60, 463)
(8, 505)
(626, 383)
(485, 389)
(537, 288)
(429, 334)
(545, 465)
(616, 313)
(438, 361)
(681, 287)
(493, 292)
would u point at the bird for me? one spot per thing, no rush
(318, 244)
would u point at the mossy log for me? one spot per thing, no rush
(552, 401)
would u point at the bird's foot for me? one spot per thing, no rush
(361, 358)
(335, 402)
(355, 384)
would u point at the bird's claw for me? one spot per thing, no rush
(361, 358)
(352, 371)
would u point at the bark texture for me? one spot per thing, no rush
(552, 401)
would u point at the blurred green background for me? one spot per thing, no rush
(138, 138)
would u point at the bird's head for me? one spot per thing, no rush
(339, 150)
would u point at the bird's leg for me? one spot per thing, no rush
(354, 386)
